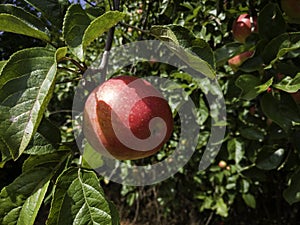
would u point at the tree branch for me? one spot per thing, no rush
(108, 44)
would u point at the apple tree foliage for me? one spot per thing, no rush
(55, 43)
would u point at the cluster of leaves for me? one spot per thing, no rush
(30, 80)
(261, 146)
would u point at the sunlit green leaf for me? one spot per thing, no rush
(79, 199)
(32, 205)
(26, 81)
(76, 22)
(2, 63)
(17, 20)
(221, 208)
(235, 150)
(100, 25)
(289, 84)
(193, 51)
(91, 158)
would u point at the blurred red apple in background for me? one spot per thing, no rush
(239, 59)
(242, 27)
(127, 118)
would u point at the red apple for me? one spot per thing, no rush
(242, 28)
(238, 60)
(127, 118)
(291, 8)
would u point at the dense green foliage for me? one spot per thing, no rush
(46, 47)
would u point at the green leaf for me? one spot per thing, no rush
(271, 49)
(248, 83)
(251, 86)
(279, 46)
(32, 205)
(61, 52)
(291, 43)
(75, 23)
(252, 133)
(79, 31)
(51, 160)
(269, 158)
(270, 107)
(47, 127)
(235, 150)
(221, 208)
(100, 25)
(52, 10)
(249, 200)
(26, 85)
(27, 190)
(21, 200)
(288, 84)
(271, 22)
(39, 145)
(264, 87)
(227, 51)
(203, 112)
(5, 154)
(2, 64)
(193, 51)
(16, 20)
(292, 193)
(94, 12)
(114, 214)
(288, 107)
(79, 199)
(252, 64)
(91, 158)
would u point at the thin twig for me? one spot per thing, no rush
(209, 218)
(90, 3)
(145, 19)
(69, 70)
(108, 45)
(77, 64)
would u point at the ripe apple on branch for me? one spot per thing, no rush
(127, 118)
